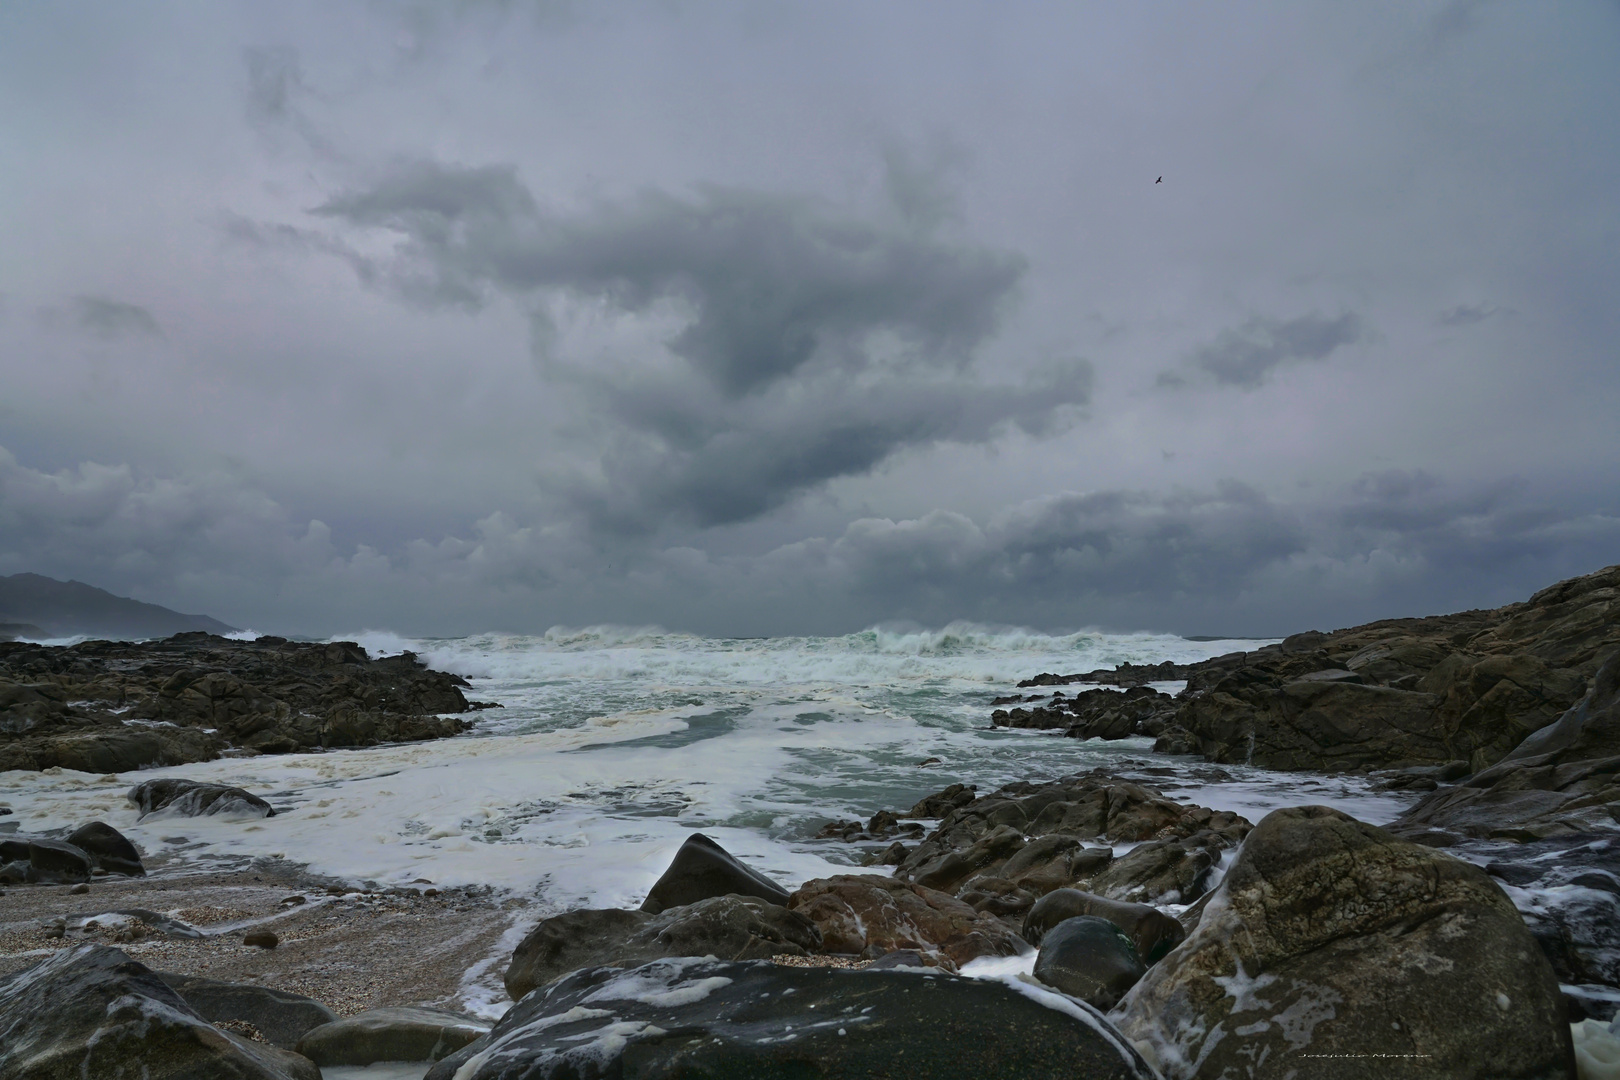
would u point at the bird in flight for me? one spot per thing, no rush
(1160, 180)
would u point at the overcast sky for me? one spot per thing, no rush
(795, 318)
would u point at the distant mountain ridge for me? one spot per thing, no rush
(31, 603)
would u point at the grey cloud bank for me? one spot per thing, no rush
(358, 315)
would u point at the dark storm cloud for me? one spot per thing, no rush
(1229, 559)
(1390, 544)
(110, 318)
(1245, 355)
(709, 461)
(1116, 543)
(813, 344)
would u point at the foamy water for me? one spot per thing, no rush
(615, 744)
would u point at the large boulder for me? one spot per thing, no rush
(728, 927)
(401, 1033)
(1332, 946)
(1089, 958)
(108, 849)
(192, 798)
(94, 1012)
(707, 1018)
(57, 862)
(865, 913)
(701, 869)
(281, 1017)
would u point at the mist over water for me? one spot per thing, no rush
(613, 744)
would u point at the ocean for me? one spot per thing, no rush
(614, 744)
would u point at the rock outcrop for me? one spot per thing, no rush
(192, 798)
(92, 1012)
(1095, 714)
(1398, 693)
(107, 707)
(701, 869)
(868, 914)
(1330, 940)
(1402, 692)
(1563, 779)
(89, 849)
(711, 1018)
(999, 853)
(730, 927)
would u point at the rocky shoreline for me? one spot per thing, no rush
(113, 706)
(1087, 926)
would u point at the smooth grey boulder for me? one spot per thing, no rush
(1089, 958)
(92, 1012)
(190, 798)
(404, 1033)
(108, 849)
(1152, 932)
(708, 1018)
(282, 1018)
(57, 861)
(701, 869)
(1333, 948)
(727, 927)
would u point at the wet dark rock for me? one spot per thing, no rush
(943, 802)
(883, 825)
(108, 707)
(1152, 932)
(980, 835)
(1089, 958)
(92, 1011)
(1562, 780)
(1001, 852)
(857, 912)
(401, 1033)
(261, 939)
(692, 1018)
(1564, 887)
(1126, 674)
(1173, 871)
(282, 1018)
(1329, 936)
(192, 798)
(730, 927)
(108, 849)
(56, 861)
(701, 869)
(1403, 692)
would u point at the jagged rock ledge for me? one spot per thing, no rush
(1446, 692)
(111, 706)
